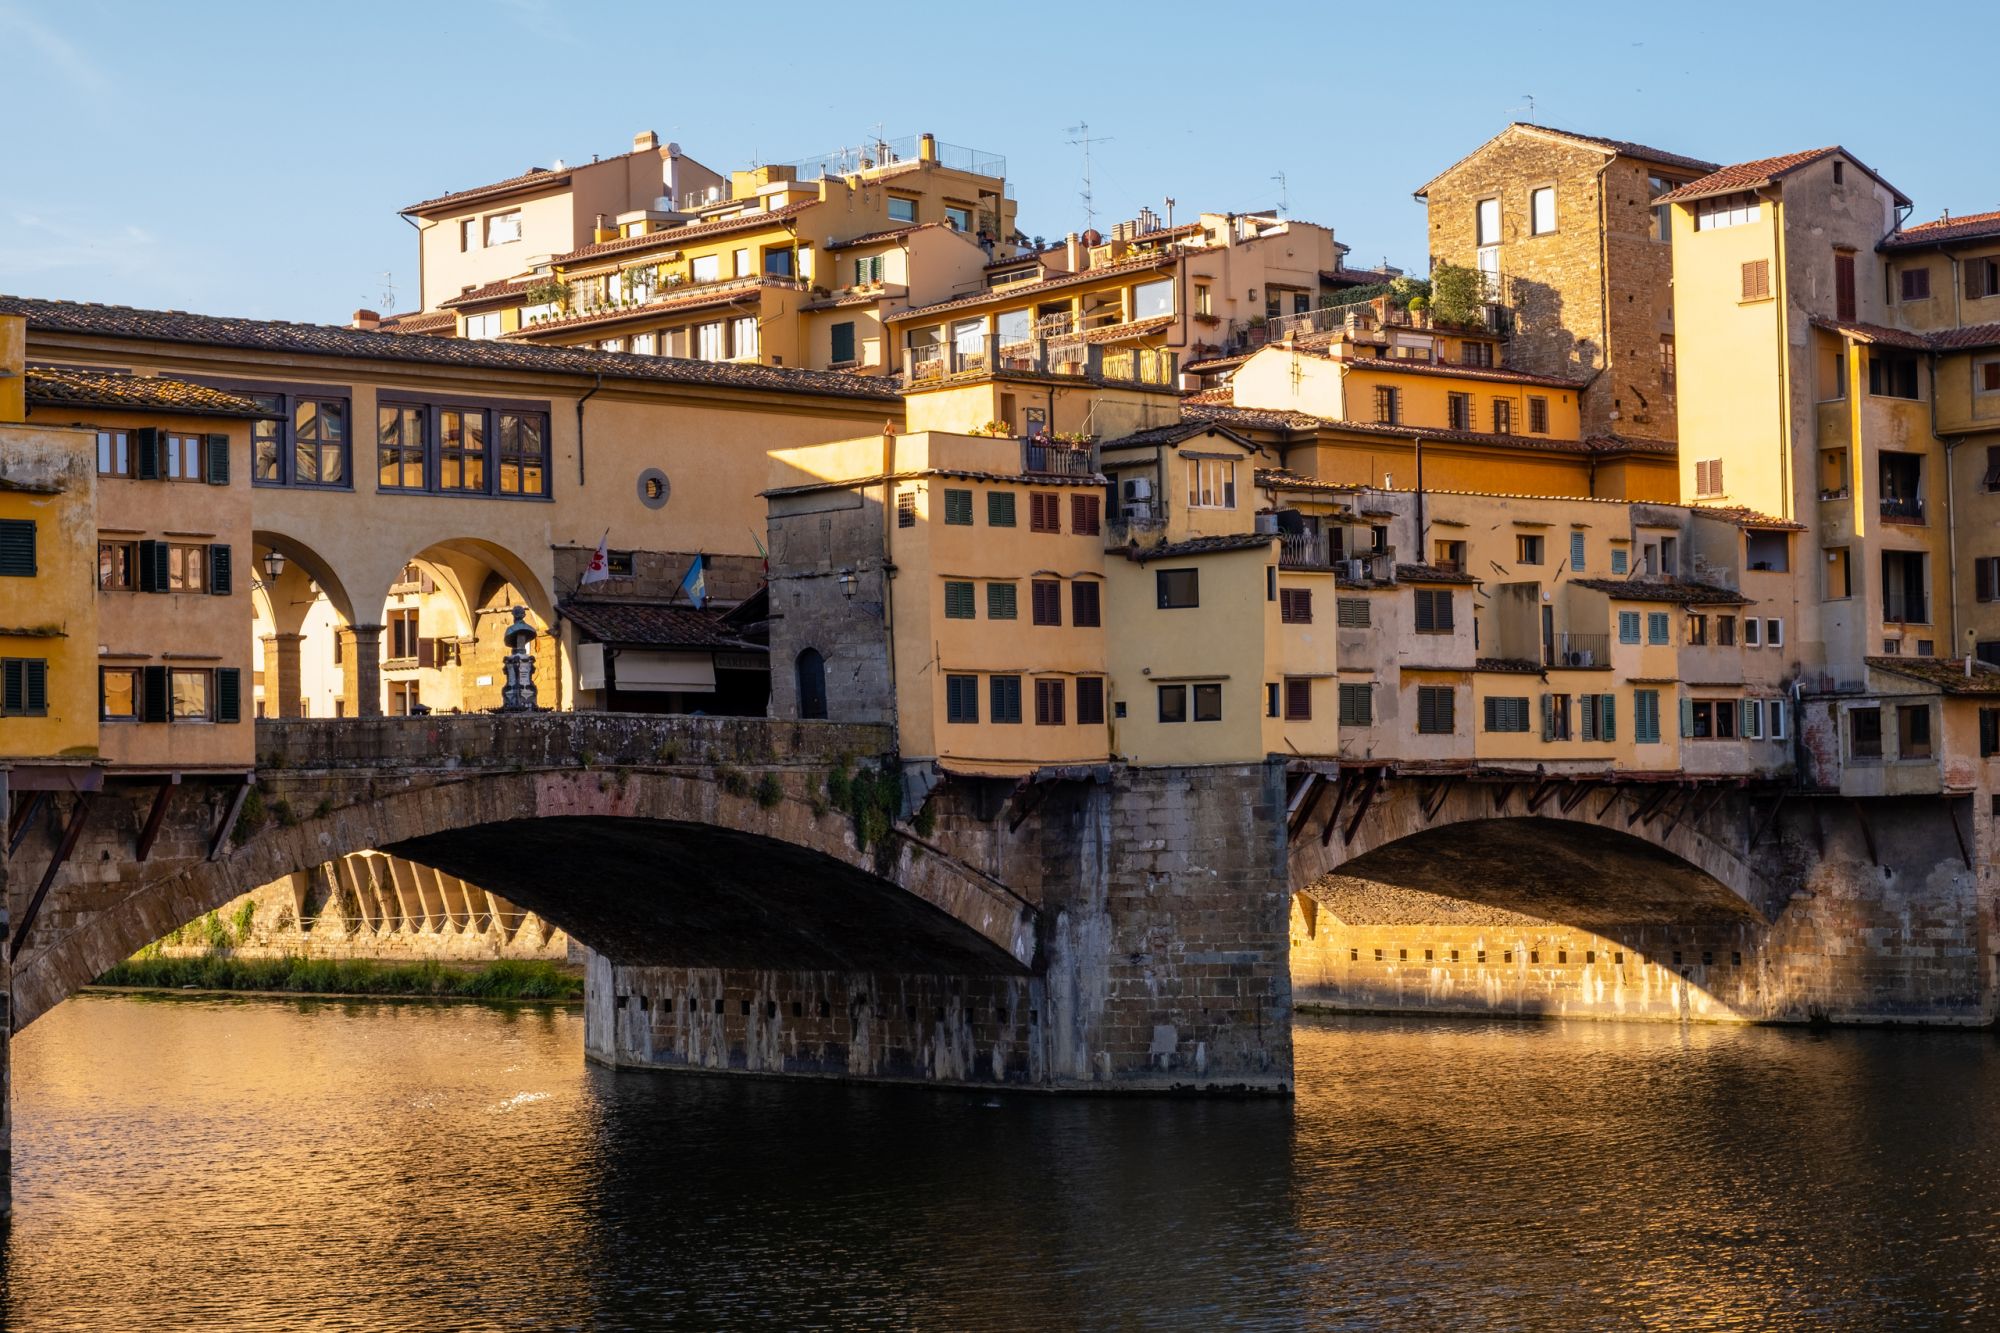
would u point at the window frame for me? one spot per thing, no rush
(1168, 585)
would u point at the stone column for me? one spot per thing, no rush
(361, 669)
(283, 692)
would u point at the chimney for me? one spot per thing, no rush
(645, 140)
(602, 232)
(927, 148)
(1073, 252)
(367, 320)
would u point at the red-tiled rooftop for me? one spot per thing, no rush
(674, 236)
(535, 178)
(49, 387)
(1031, 288)
(1622, 147)
(1944, 230)
(1765, 170)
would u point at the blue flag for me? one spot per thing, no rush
(695, 582)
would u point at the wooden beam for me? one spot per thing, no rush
(1693, 793)
(1951, 813)
(1301, 804)
(24, 819)
(1026, 803)
(1374, 784)
(67, 844)
(1435, 801)
(1616, 794)
(1650, 804)
(157, 814)
(1500, 796)
(1867, 832)
(228, 824)
(1339, 799)
(1769, 819)
(1540, 795)
(1575, 798)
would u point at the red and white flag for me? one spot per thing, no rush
(599, 568)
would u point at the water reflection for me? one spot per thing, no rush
(221, 1164)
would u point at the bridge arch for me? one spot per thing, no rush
(676, 867)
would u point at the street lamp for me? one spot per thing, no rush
(847, 584)
(274, 565)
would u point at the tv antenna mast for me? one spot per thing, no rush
(1083, 140)
(388, 292)
(1284, 193)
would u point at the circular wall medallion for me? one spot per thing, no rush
(654, 488)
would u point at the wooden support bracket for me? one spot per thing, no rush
(1340, 795)
(1649, 805)
(1374, 784)
(228, 824)
(1543, 790)
(1501, 794)
(1868, 831)
(24, 819)
(157, 815)
(71, 832)
(1435, 801)
(1964, 852)
(1575, 798)
(1769, 819)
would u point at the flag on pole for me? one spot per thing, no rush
(695, 583)
(762, 554)
(599, 568)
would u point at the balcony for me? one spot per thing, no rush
(1058, 460)
(1304, 550)
(1896, 509)
(987, 354)
(1578, 650)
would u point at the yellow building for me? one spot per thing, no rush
(48, 609)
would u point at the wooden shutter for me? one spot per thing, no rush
(216, 456)
(426, 652)
(1295, 606)
(1047, 601)
(1083, 514)
(1843, 285)
(1548, 718)
(1090, 701)
(13, 686)
(221, 571)
(1298, 699)
(999, 509)
(1983, 570)
(957, 601)
(1044, 511)
(1607, 717)
(155, 702)
(17, 547)
(228, 694)
(1085, 605)
(958, 508)
(1756, 279)
(1426, 614)
(1687, 717)
(148, 444)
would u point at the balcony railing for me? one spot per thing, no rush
(1303, 550)
(1058, 460)
(1901, 510)
(1578, 650)
(988, 354)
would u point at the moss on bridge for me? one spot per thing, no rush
(506, 979)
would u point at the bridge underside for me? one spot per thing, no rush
(657, 893)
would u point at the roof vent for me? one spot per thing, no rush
(559, 166)
(644, 140)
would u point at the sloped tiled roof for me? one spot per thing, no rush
(1197, 407)
(888, 234)
(491, 291)
(132, 393)
(601, 315)
(1947, 673)
(1744, 517)
(1629, 444)
(1283, 479)
(1174, 434)
(1431, 574)
(1622, 147)
(1944, 230)
(653, 625)
(1874, 333)
(416, 322)
(1031, 288)
(1238, 541)
(1681, 592)
(1965, 339)
(1752, 175)
(535, 178)
(173, 326)
(673, 237)
(1499, 374)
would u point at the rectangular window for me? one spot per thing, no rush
(1090, 701)
(1555, 717)
(399, 448)
(503, 228)
(24, 687)
(1503, 416)
(705, 268)
(1487, 222)
(1177, 588)
(1774, 713)
(1051, 696)
(1045, 601)
(1458, 411)
(961, 698)
(1472, 353)
(118, 694)
(958, 508)
(319, 442)
(1893, 375)
(1774, 633)
(1295, 606)
(1298, 691)
(1388, 405)
(1621, 559)
(1753, 719)
(1916, 284)
(1843, 284)
(958, 604)
(1085, 604)
(1085, 512)
(1728, 210)
(902, 209)
(1756, 280)
(1173, 703)
(1208, 703)
(1659, 628)
(1753, 632)
(1436, 710)
(843, 350)
(1351, 612)
(867, 270)
(114, 453)
(1913, 731)
(1507, 713)
(1153, 300)
(1538, 416)
(743, 337)
(1434, 611)
(461, 449)
(1646, 716)
(117, 563)
(1864, 733)
(1697, 629)
(906, 509)
(1211, 483)
(999, 509)
(190, 689)
(1001, 603)
(524, 450)
(1725, 631)
(1528, 548)
(1707, 477)
(1044, 511)
(1576, 551)
(483, 327)
(187, 567)
(710, 341)
(1542, 210)
(1985, 578)
(1989, 732)
(1599, 715)
(1004, 699)
(1357, 705)
(1669, 363)
(1628, 627)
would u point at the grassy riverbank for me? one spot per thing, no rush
(503, 980)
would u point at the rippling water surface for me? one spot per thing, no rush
(266, 1164)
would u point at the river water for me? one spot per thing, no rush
(231, 1164)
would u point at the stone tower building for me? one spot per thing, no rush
(1578, 258)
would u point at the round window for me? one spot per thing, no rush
(654, 489)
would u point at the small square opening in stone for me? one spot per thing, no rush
(1618, 960)
(1534, 955)
(1454, 955)
(1590, 955)
(1507, 956)
(1562, 956)
(1480, 956)
(1735, 958)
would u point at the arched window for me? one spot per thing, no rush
(812, 684)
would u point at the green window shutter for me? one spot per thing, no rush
(1687, 717)
(1492, 714)
(1646, 716)
(1656, 627)
(1618, 558)
(1576, 550)
(221, 571)
(13, 686)
(1607, 717)
(958, 508)
(999, 509)
(843, 342)
(229, 694)
(35, 684)
(216, 454)
(148, 446)
(1000, 602)
(17, 547)
(1548, 718)
(1587, 719)
(1628, 627)
(154, 700)
(958, 601)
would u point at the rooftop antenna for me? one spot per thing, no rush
(1083, 140)
(1284, 193)
(388, 302)
(1170, 212)
(1527, 106)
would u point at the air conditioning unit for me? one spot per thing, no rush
(1267, 523)
(1354, 571)
(1581, 657)
(1138, 488)
(1138, 513)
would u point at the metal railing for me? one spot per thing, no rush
(1578, 650)
(878, 153)
(1058, 460)
(1908, 510)
(596, 304)
(1303, 550)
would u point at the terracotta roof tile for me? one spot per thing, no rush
(535, 178)
(104, 321)
(136, 393)
(1237, 541)
(1431, 574)
(1197, 407)
(1174, 434)
(1947, 673)
(1682, 592)
(1744, 517)
(1965, 339)
(1031, 288)
(1138, 328)
(1623, 147)
(1944, 230)
(889, 234)
(420, 322)
(1874, 333)
(673, 237)
(622, 314)
(491, 291)
(1499, 374)
(654, 625)
(1283, 479)
(1511, 665)
(1751, 175)
(1629, 444)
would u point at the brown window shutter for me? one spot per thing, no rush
(1298, 700)
(426, 652)
(1843, 285)
(1083, 515)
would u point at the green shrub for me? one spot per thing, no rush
(504, 980)
(770, 791)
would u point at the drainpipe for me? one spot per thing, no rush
(888, 595)
(1603, 285)
(579, 424)
(419, 228)
(1423, 536)
(1784, 363)
(1950, 503)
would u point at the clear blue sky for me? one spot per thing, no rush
(249, 158)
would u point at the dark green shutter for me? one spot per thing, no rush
(154, 702)
(1607, 717)
(217, 454)
(1548, 718)
(36, 683)
(149, 567)
(17, 547)
(843, 342)
(229, 694)
(13, 686)
(221, 573)
(148, 450)
(999, 509)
